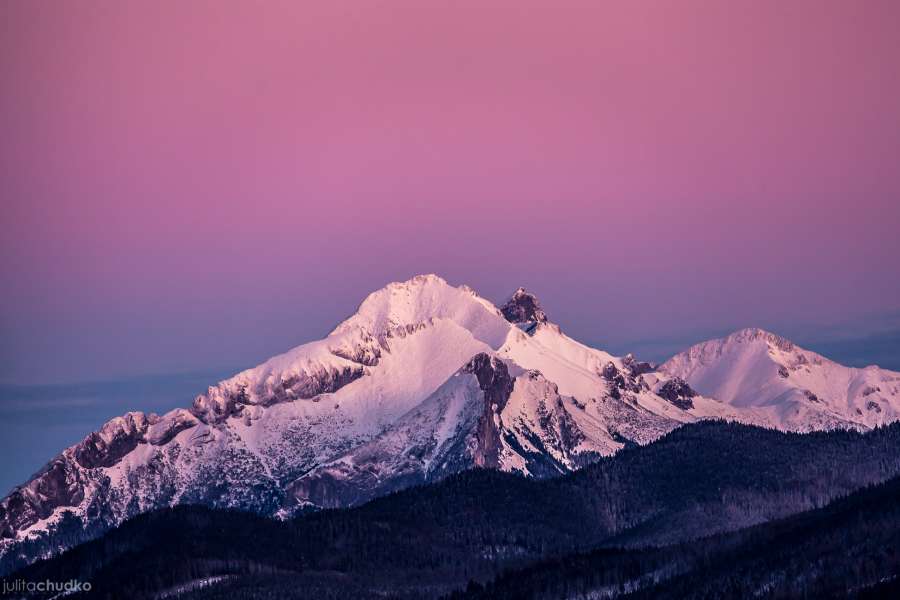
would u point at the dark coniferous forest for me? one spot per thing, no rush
(710, 510)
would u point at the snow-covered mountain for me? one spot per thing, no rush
(785, 386)
(427, 379)
(491, 413)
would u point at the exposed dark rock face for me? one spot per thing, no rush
(116, 439)
(366, 352)
(363, 356)
(494, 380)
(621, 381)
(610, 372)
(678, 392)
(616, 382)
(219, 403)
(523, 307)
(783, 372)
(562, 432)
(64, 481)
(304, 387)
(59, 483)
(164, 430)
(635, 367)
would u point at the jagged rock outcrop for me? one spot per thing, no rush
(678, 392)
(523, 307)
(622, 381)
(115, 439)
(496, 384)
(59, 483)
(636, 367)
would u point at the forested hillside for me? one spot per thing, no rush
(697, 481)
(850, 547)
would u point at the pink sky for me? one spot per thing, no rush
(197, 184)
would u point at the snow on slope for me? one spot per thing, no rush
(246, 437)
(759, 372)
(435, 438)
(611, 395)
(424, 298)
(423, 380)
(490, 413)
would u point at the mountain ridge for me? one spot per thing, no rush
(755, 368)
(337, 421)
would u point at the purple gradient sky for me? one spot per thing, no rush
(192, 185)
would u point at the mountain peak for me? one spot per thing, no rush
(751, 334)
(419, 300)
(423, 279)
(523, 307)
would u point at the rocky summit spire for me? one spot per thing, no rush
(523, 307)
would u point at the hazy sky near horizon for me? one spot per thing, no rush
(200, 185)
